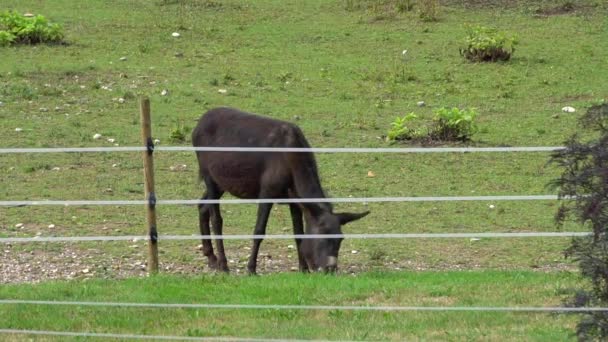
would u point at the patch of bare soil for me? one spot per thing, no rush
(565, 8)
(70, 262)
(483, 3)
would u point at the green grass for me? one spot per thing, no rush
(341, 72)
(336, 71)
(489, 288)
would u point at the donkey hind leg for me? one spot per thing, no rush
(260, 229)
(218, 222)
(298, 229)
(203, 217)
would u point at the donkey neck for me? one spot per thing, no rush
(305, 176)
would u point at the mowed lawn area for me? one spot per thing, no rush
(460, 289)
(338, 70)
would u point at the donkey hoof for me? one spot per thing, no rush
(223, 267)
(212, 262)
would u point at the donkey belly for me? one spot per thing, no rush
(250, 176)
(240, 182)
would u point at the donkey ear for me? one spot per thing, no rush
(345, 218)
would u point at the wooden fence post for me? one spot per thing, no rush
(146, 136)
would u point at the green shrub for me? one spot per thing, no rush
(485, 44)
(449, 124)
(582, 187)
(18, 29)
(400, 130)
(6, 38)
(453, 124)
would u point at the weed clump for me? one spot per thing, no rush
(453, 124)
(485, 44)
(449, 124)
(399, 128)
(429, 10)
(16, 28)
(179, 133)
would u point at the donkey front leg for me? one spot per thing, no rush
(218, 222)
(260, 229)
(298, 229)
(203, 218)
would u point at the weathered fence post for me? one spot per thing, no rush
(146, 135)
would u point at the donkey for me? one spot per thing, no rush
(254, 175)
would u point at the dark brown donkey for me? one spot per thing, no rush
(264, 175)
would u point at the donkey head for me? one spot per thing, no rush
(322, 253)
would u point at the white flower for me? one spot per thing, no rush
(222, 91)
(404, 52)
(156, 141)
(175, 34)
(97, 136)
(111, 140)
(18, 129)
(491, 206)
(165, 92)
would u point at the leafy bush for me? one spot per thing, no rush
(585, 179)
(18, 29)
(485, 44)
(6, 38)
(400, 130)
(448, 125)
(454, 124)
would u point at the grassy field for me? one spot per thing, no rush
(486, 288)
(338, 72)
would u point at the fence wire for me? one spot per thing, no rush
(304, 307)
(281, 200)
(285, 149)
(295, 236)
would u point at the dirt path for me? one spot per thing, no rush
(65, 262)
